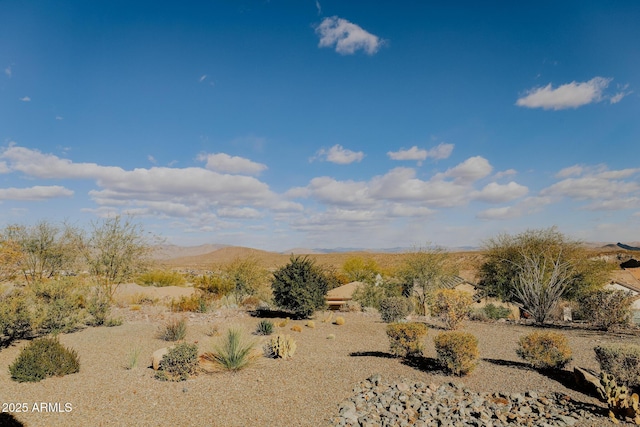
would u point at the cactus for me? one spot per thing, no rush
(284, 322)
(621, 403)
(280, 346)
(339, 321)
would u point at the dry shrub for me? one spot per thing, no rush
(453, 306)
(173, 330)
(406, 339)
(393, 309)
(607, 308)
(296, 328)
(351, 306)
(280, 347)
(310, 324)
(457, 351)
(195, 303)
(160, 278)
(622, 361)
(180, 363)
(544, 350)
(339, 321)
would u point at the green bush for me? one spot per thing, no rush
(371, 293)
(99, 306)
(265, 327)
(42, 358)
(161, 278)
(406, 339)
(173, 330)
(496, 312)
(232, 354)
(180, 363)
(544, 350)
(622, 361)
(16, 317)
(457, 351)
(607, 308)
(393, 309)
(300, 287)
(213, 285)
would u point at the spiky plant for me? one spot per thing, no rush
(265, 327)
(233, 353)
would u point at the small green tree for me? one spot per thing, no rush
(245, 277)
(424, 271)
(300, 286)
(115, 252)
(360, 269)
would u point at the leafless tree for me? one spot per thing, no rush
(540, 283)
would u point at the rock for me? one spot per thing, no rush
(586, 381)
(157, 356)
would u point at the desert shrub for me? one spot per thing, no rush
(339, 321)
(406, 339)
(300, 286)
(160, 278)
(622, 361)
(195, 303)
(452, 305)
(99, 306)
(457, 351)
(59, 304)
(310, 324)
(213, 285)
(351, 306)
(371, 293)
(180, 363)
(114, 321)
(478, 314)
(16, 317)
(231, 354)
(142, 299)
(265, 327)
(280, 347)
(607, 308)
(393, 309)
(544, 350)
(173, 330)
(250, 302)
(496, 312)
(42, 358)
(296, 328)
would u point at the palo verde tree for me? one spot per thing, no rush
(300, 286)
(424, 271)
(245, 276)
(44, 249)
(540, 263)
(360, 269)
(114, 251)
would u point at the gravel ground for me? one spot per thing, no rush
(303, 391)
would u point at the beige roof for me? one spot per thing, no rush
(344, 291)
(626, 278)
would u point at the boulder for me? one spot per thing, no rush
(157, 356)
(587, 381)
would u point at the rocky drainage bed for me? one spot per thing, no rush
(401, 403)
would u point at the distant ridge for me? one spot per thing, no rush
(627, 247)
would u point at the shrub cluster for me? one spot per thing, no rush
(160, 278)
(622, 361)
(180, 363)
(452, 306)
(196, 303)
(213, 285)
(406, 339)
(496, 312)
(544, 350)
(393, 309)
(42, 358)
(457, 351)
(607, 308)
(300, 286)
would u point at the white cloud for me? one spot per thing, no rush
(329, 191)
(59, 118)
(152, 159)
(318, 7)
(498, 193)
(508, 172)
(339, 155)
(8, 71)
(574, 170)
(470, 170)
(526, 207)
(25, 99)
(570, 95)
(441, 151)
(239, 213)
(225, 163)
(413, 153)
(202, 78)
(404, 210)
(37, 192)
(346, 37)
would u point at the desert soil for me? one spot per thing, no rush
(302, 391)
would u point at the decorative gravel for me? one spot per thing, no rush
(307, 390)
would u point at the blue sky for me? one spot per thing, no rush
(323, 124)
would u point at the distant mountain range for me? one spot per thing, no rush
(627, 247)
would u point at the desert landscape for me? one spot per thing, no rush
(116, 385)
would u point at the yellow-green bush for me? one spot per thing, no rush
(406, 339)
(452, 306)
(180, 363)
(195, 303)
(339, 321)
(622, 361)
(160, 278)
(214, 285)
(42, 358)
(544, 350)
(457, 351)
